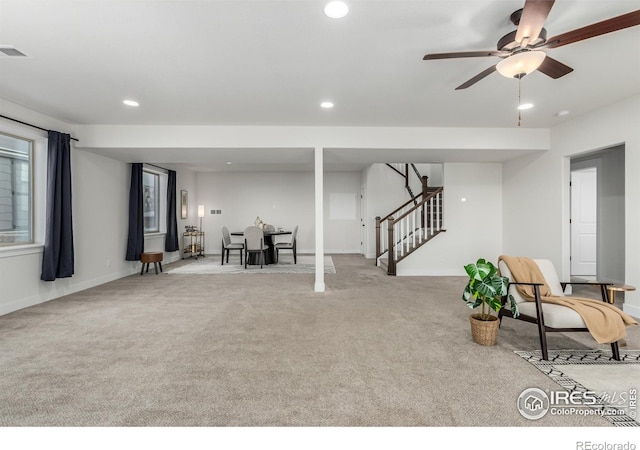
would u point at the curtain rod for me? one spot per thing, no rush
(30, 125)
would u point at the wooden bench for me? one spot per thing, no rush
(151, 257)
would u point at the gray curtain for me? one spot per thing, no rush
(171, 238)
(58, 258)
(135, 242)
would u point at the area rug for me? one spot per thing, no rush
(209, 265)
(593, 378)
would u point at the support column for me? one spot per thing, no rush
(319, 191)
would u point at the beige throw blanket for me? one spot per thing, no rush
(606, 322)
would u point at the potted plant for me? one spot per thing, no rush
(486, 289)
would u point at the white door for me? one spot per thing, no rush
(583, 222)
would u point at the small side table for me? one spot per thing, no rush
(613, 288)
(151, 257)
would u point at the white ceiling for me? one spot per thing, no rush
(263, 62)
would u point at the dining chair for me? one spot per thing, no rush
(291, 245)
(254, 244)
(227, 245)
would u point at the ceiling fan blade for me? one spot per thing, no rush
(534, 15)
(477, 78)
(606, 26)
(554, 68)
(473, 54)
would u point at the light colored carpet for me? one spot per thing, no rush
(233, 350)
(211, 266)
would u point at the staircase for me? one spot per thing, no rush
(410, 226)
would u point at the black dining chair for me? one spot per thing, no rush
(291, 245)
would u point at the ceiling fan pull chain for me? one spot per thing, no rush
(519, 100)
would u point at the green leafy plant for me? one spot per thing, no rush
(487, 288)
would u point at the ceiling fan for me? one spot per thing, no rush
(521, 50)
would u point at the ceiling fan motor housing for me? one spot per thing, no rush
(508, 42)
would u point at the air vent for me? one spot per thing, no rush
(11, 51)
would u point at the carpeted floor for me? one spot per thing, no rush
(265, 350)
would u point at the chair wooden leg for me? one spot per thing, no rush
(615, 350)
(543, 342)
(142, 270)
(222, 261)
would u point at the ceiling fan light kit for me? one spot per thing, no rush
(520, 64)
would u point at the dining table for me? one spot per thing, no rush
(270, 254)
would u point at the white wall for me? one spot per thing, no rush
(532, 204)
(536, 198)
(434, 172)
(280, 199)
(474, 227)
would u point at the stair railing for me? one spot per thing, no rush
(409, 227)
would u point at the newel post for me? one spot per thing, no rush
(377, 239)
(391, 266)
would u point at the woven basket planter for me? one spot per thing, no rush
(484, 332)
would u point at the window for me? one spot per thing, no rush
(15, 190)
(151, 210)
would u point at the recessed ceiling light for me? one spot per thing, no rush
(336, 10)
(525, 106)
(326, 105)
(563, 113)
(229, 162)
(131, 103)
